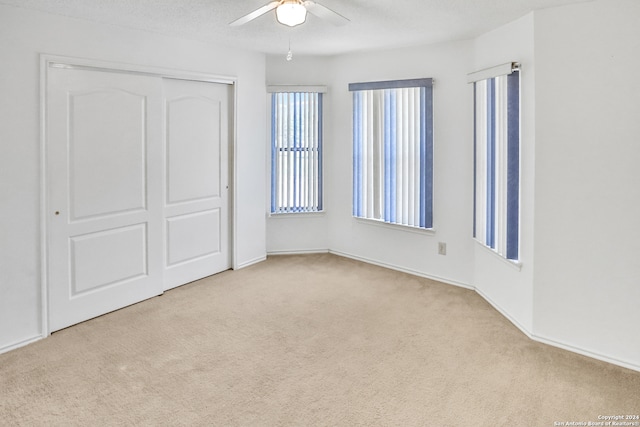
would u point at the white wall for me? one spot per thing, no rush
(24, 35)
(587, 249)
(508, 288)
(299, 232)
(448, 65)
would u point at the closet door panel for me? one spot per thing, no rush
(196, 207)
(104, 201)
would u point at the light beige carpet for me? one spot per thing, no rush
(314, 340)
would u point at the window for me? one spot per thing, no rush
(296, 152)
(393, 152)
(497, 162)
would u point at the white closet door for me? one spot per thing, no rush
(104, 175)
(196, 209)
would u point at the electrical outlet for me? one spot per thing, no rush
(442, 248)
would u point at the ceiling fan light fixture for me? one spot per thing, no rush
(291, 13)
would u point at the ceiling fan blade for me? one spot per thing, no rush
(255, 14)
(325, 13)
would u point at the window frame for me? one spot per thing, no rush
(306, 210)
(497, 205)
(423, 149)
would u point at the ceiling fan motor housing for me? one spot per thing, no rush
(291, 13)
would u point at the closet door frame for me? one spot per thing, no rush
(48, 61)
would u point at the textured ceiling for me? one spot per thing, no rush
(375, 24)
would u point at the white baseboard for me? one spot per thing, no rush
(504, 313)
(555, 343)
(587, 353)
(525, 331)
(21, 343)
(250, 262)
(403, 269)
(298, 252)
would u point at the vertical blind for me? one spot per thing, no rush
(296, 152)
(393, 152)
(497, 164)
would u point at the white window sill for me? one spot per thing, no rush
(398, 227)
(289, 215)
(513, 264)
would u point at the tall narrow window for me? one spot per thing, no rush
(296, 152)
(497, 161)
(393, 152)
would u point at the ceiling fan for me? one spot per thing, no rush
(293, 12)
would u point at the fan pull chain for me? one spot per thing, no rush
(289, 53)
